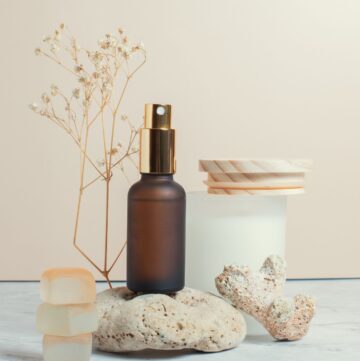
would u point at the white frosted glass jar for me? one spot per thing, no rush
(241, 219)
(223, 230)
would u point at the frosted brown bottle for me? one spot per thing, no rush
(156, 211)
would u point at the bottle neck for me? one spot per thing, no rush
(156, 177)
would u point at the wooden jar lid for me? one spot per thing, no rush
(261, 176)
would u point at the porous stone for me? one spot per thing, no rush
(188, 319)
(260, 294)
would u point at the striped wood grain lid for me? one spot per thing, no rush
(261, 176)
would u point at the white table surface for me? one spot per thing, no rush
(334, 333)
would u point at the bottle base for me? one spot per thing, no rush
(167, 290)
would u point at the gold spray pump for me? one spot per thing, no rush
(157, 141)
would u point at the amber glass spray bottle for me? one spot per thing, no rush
(156, 211)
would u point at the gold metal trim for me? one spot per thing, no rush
(157, 141)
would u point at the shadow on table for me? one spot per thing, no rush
(263, 339)
(15, 355)
(162, 354)
(147, 354)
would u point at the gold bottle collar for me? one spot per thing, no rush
(157, 141)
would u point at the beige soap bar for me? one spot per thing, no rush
(76, 348)
(61, 286)
(66, 320)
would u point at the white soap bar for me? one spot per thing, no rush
(76, 348)
(66, 320)
(61, 286)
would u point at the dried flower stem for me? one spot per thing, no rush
(98, 82)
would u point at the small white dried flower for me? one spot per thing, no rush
(76, 93)
(78, 68)
(106, 87)
(47, 38)
(125, 51)
(34, 107)
(113, 151)
(95, 75)
(54, 90)
(95, 57)
(82, 80)
(61, 26)
(54, 47)
(124, 117)
(103, 68)
(57, 35)
(37, 51)
(137, 47)
(109, 42)
(120, 31)
(45, 98)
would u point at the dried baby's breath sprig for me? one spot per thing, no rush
(34, 107)
(54, 90)
(76, 93)
(101, 79)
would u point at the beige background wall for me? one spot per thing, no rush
(271, 79)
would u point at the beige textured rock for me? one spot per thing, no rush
(260, 295)
(189, 319)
